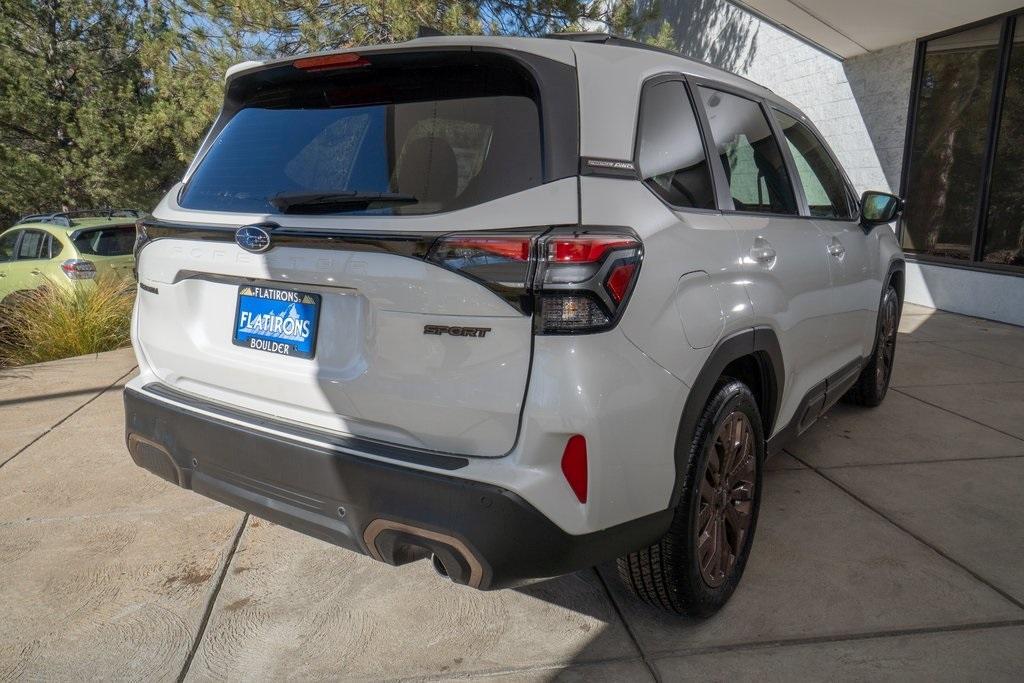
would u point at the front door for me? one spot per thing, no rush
(852, 255)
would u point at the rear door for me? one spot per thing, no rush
(784, 256)
(380, 289)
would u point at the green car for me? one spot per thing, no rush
(66, 248)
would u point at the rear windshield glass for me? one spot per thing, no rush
(377, 139)
(112, 241)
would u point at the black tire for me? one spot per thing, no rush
(873, 383)
(669, 574)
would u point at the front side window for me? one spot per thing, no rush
(823, 182)
(7, 243)
(33, 246)
(753, 162)
(380, 140)
(671, 154)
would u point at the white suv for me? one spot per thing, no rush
(518, 305)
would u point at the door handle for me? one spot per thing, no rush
(763, 251)
(36, 271)
(836, 249)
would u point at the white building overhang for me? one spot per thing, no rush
(849, 28)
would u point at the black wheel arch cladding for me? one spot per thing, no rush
(760, 343)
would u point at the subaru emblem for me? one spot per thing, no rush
(253, 238)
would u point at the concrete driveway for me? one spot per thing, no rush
(891, 543)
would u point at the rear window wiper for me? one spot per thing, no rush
(333, 202)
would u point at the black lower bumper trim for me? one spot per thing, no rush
(484, 535)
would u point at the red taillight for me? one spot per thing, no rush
(345, 60)
(618, 281)
(584, 249)
(574, 466)
(78, 269)
(584, 277)
(575, 280)
(512, 248)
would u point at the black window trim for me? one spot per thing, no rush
(975, 262)
(725, 201)
(703, 131)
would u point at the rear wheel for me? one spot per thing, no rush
(696, 566)
(873, 382)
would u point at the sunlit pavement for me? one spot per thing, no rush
(891, 544)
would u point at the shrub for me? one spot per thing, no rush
(58, 322)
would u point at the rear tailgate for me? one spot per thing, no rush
(354, 175)
(108, 247)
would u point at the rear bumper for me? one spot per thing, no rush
(485, 536)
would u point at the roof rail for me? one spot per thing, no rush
(620, 41)
(609, 39)
(64, 218)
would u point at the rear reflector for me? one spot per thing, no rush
(574, 466)
(346, 60)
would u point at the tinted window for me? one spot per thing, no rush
(671, 155)
(448, 138)
(112, 241)
(750, 154)
(7, 242)
(824, 185)
(33, 246)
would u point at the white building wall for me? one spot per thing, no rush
(860, 105)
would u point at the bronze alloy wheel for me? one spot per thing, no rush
(726, 498)
(887, 340)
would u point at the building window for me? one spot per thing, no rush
(964, 200)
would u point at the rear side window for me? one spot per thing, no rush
(671, 154)
(377, 140)
(111, 241)
(34, 245)
(824, 185)
(753, 161)
(7, 243)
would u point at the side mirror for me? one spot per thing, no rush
(877, 208)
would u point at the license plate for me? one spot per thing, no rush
(278, 321)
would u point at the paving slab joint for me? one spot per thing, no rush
(213, 598)
(920, 539)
